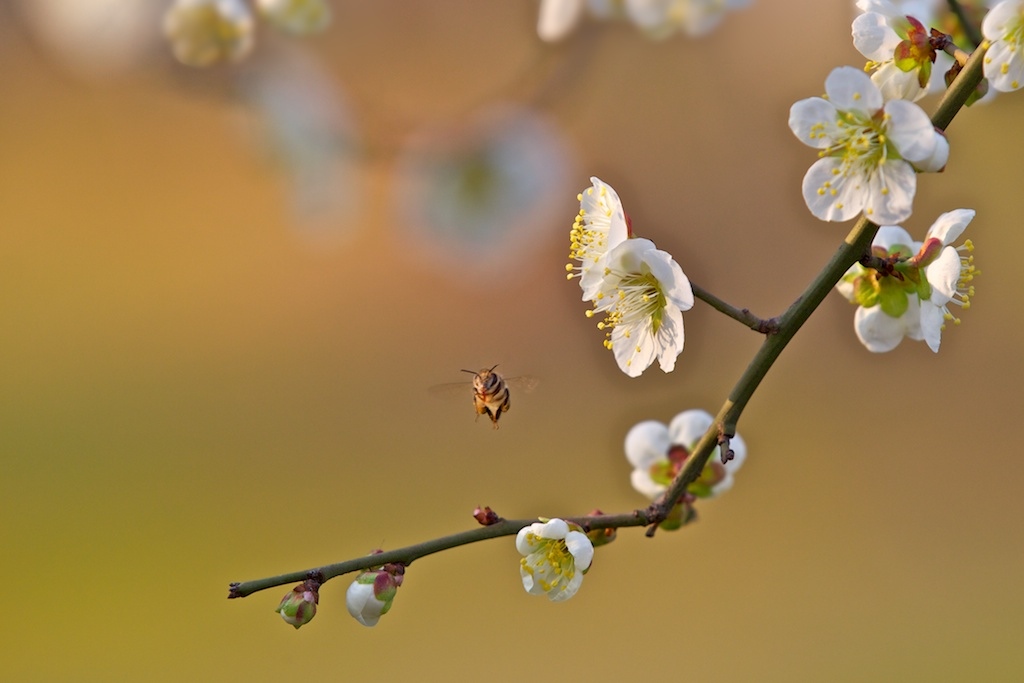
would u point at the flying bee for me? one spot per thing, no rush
(491, 394)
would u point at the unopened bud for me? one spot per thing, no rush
(298, 607)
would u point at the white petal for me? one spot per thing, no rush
(950, 225)
(557, 18)
(842, 202)
(877, 331)
(874, 38)
(644, 485)
(890, 236)
(932, 319)
(943, 274)
(1005, 55)
(897, 84)
(890, 197)
(523, 544)
(581, 549)
(1000, 20)
(687, 427)
(569, 590)
(813, 122)
(674, 283)
(910, 130)
(850, 89)
(554, 529)
(937, 161)
(669, 340)
(634, 353)
(647, 442)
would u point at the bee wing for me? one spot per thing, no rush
(452, 390)
(524, 383)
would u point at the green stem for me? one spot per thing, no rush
(742, 315)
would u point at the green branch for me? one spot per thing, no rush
(784, 329)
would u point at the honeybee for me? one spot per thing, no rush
(491, 394)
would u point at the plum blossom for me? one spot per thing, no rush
(899, 49)
(910, 296)
(658, 453)
(1003, 27)
(657, 18)
(870, 150)
(203, 32)
(600, 225)
(556, 555)
(642, 295)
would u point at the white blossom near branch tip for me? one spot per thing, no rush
(870, 150)
(1003, 27)
(555, 558)
(898, 46)
(913, 299)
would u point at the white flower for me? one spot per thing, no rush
(600, 226)
(885, 30)
(661, 18)
(1004, 62)
(203, 32)
(370, 596)
(658, 453)
(476, 196)
(913, 299)
(559, 17)
(642, 293)
(555, 557)
(869, 150)
(296, 16)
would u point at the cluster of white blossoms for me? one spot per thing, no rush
(205, 32)
(910, 291)
(656, 18)
(640, 290)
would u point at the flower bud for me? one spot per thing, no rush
(298, 607)
(371, 594)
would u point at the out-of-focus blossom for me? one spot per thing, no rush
(204, 32)
(657, 18)
(95, 38)
(658, 453)
(296, 16)
(870, 150)
(298, 117)
(477, 197)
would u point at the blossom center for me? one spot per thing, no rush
(550, 564)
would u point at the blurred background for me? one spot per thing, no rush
(225, 293)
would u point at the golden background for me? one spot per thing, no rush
(195, 392)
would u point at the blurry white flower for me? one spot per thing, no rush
(870, 150)
(1004, 61)
(658, 454)
(296, 16)
(555, 558)
(662, 18)
(95, 38)
(478, 196)
(204, 32)
(558, 18)
(299, 118)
